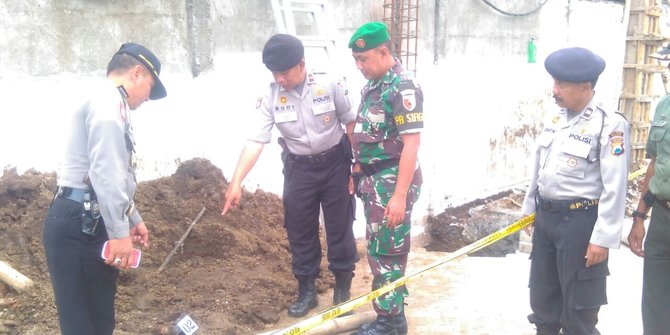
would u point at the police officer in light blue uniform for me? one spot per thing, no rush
(578, 192)
(311, 113)
(94, 201)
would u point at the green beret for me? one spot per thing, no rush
(369, 36)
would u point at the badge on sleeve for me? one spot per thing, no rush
(616, 143)
(408, 100)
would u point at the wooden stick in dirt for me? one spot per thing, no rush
(181, 240)
(14, 278)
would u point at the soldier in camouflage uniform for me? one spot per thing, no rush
(385, 142)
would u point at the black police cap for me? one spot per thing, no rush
(282, 52)
(151, 62)
(575, 65)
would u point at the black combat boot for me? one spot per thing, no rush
(342, 289)
(307, 298)
(384, 325)
(399, 323)
(543, 329)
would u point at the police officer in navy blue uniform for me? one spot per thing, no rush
(578, 193)
(94, 201)
(311, 113)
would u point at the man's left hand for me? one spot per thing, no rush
(596, 254)
(140, 234)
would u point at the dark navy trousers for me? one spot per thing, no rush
(564, 293)
(84, 286)
(309, 186)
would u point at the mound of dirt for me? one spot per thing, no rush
(232, 275)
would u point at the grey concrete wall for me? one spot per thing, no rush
(484, 101)
(472, 27)
(40, 38)
(241, 26)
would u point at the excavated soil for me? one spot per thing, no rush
(232, 275)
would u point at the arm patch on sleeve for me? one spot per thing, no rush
(408, 107)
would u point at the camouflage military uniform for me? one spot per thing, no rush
(390, 107)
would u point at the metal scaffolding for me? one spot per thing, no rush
(402, 19)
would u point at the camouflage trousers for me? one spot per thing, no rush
(388, 248)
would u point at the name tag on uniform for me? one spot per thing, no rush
(376, 117)
(285, 117)
(323, 107)
(575, 148)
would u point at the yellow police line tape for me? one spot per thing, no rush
(335, 311)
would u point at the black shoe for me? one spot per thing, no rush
(307, 297)
(384, 325)
(342, 289)
(543, 329)
(399, 323)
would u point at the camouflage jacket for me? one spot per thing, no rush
(389, 107)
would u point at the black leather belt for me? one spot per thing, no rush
(71, 193)
(318, 158)
(370, 169)
(567, 205)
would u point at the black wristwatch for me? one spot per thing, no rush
(638, 214)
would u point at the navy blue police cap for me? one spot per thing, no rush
(663, 54)
(575, 65)
(665, 51)
(151, 62)
(282, 52)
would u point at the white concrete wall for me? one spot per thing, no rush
(483, 105)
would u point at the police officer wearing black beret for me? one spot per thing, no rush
(311, 112)
(94, 202)
(578, 194)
